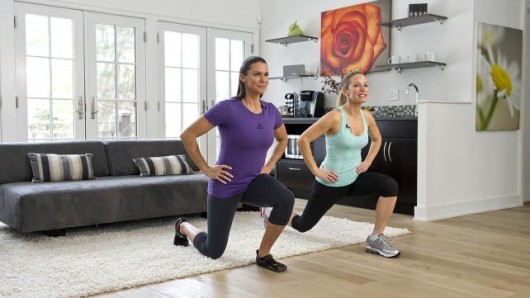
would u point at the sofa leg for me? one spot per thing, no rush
(203, 214)
(55, 233)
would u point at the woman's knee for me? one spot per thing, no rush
(389, 188)
(300, 227)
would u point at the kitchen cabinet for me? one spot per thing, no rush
(396, 158)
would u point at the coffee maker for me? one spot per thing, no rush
(311, 104)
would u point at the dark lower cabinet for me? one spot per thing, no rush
(396, 158)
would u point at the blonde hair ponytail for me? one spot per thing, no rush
(341, 99)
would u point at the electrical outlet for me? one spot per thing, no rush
(394, 94)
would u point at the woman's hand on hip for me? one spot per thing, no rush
(363, 167)
(326, 175)
(220, 173)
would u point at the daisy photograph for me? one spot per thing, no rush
(498, 91)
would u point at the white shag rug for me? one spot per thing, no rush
(92, 260)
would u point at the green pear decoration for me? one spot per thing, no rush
(294, 30)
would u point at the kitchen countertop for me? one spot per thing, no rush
(289, 120)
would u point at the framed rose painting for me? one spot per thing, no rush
(353, 40)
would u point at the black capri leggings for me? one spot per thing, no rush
(263, 191)
(323, 197)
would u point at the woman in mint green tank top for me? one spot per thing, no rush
(343, 172)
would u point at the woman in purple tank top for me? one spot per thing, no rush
(248, 127)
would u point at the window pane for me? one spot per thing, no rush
(234, 82)
(173, 84)
(221, 53)
(37, 37)
(172, 48)
(105, 47)
(190, 85)
(38, 77)
(126, 119)
(237, 50)
(173, 128)
(39, 119)
(62, 79)
(62, 38)
(222, 85)
(106, 82)
(191, 50)
(191, 113)
(126, 82)
(106, 119)
(125, 47)
(63, 119)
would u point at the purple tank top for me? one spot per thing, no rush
(245, 139)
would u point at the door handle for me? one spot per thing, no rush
(203, 106)
(384, 151)
(94, 111)
(294, 169)
(80, 108)
(389, 156)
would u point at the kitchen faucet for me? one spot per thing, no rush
(407, 92)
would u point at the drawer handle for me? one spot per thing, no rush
(295, 169)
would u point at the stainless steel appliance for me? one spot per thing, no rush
(292, 150)
(311, 104)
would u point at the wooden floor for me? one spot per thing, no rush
(479, 255)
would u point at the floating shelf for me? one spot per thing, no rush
(292, 39)
(420, 64)
(286, 78)
(426, 18)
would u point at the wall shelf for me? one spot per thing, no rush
(286, 78)
(420, 64)
(426, 18)
(292, 39)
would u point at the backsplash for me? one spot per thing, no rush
(392, 111)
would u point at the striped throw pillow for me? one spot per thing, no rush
(54, 167)
(163, 165)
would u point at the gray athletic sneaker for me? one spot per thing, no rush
(380, 246)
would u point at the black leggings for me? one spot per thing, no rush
(263, 191)
(323, 197)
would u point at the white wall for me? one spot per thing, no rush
(461, 171)
(525, 121)
(445, 40)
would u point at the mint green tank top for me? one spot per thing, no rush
(343, 152)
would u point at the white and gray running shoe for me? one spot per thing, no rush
(380, 245)
(264, 213)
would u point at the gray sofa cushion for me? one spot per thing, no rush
(55, 205)
(121, 153)
(15, 161)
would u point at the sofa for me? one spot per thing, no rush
(118, 193)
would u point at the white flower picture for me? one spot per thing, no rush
(498, 94)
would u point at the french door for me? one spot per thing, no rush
(200, 67)
(226, 52)
(182, 77)
(79, 74)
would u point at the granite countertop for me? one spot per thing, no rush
(395, 118)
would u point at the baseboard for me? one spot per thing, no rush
(437, 212)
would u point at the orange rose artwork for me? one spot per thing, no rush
(351, 39)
